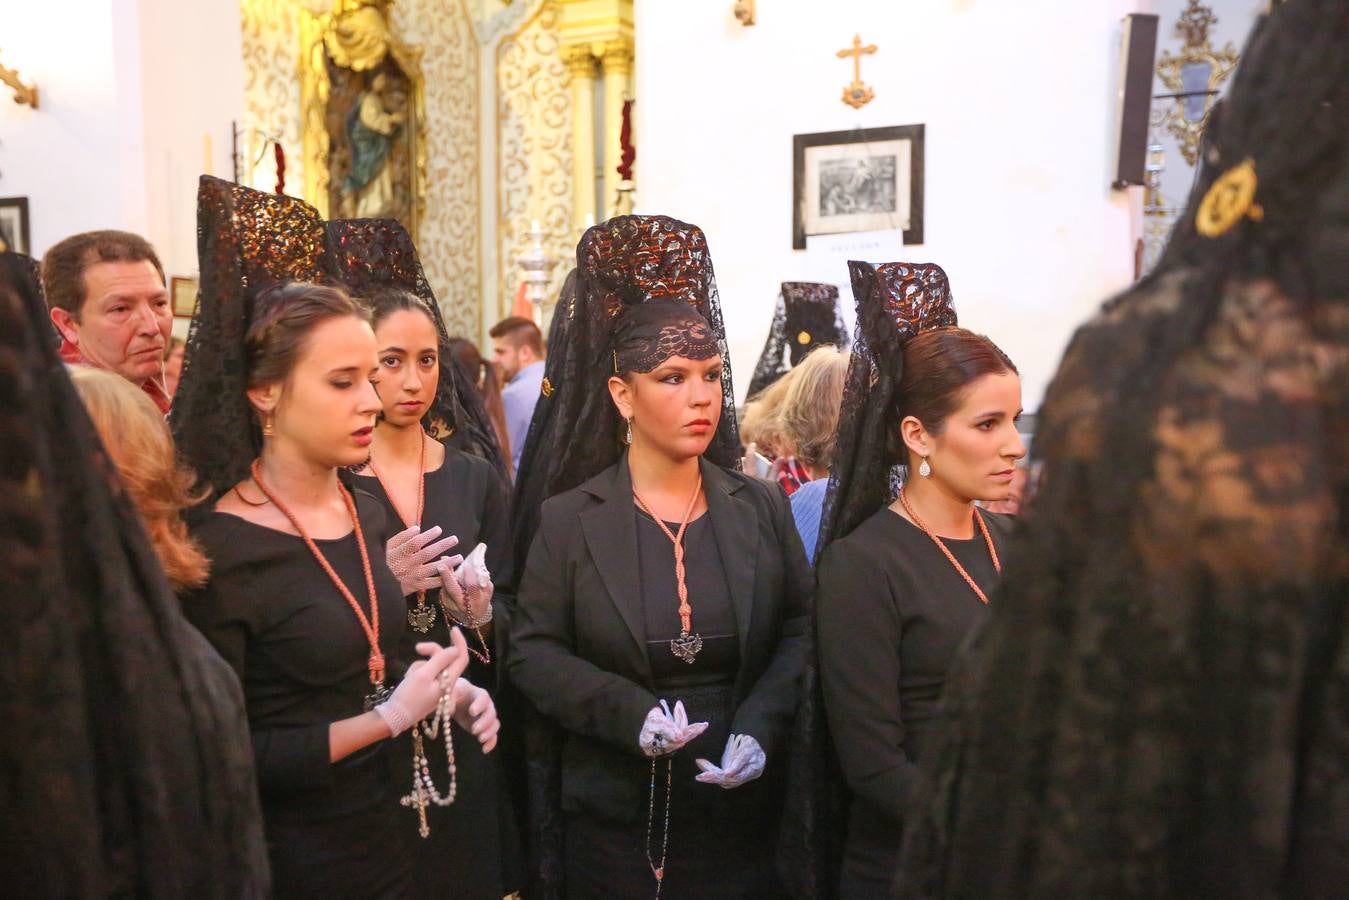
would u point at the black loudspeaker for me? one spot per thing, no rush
(1138, 48)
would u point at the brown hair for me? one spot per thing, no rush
(519, 332)
(282, 320)
(140, 447)
(809, 413)
(483, 377)
(939, 366)
(64, 264)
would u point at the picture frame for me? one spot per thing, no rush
(866, 179)
(183, 294)
(14, 235)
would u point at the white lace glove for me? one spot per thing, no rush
(417, 694)
(476, 713)
(467, 591)
(414, 558)
(664, 732)
(742, 761)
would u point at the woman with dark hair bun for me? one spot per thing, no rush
(907, 561)
(473, 847)
(301, 599)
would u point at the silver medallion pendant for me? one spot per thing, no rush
(686, 646)
(377, 696)
(421, 618)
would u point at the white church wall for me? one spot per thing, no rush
(77, 157)
(191, 88)
(1017, 99)
(128, 90)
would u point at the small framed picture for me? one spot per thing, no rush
(183, 291)
(867, 179)
(14, 225)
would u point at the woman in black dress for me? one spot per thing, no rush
(473, 848)
(662, 616)
(904, 577)
(300, 601)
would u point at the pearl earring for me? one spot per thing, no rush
(925, 470)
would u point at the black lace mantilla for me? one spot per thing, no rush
(128, 766)
(650, 333)
(372, 254)
(1159, 703)
(247, 241)
(807, 316)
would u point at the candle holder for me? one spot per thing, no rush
(536, 267)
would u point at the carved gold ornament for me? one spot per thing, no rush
(1197, 67)
(803, 338)
(546, 388)
(1228, 200)
(24, 94)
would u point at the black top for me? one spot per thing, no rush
(467, 498)
(473, 852)
(301, 654)
(892, 613)
(712, 618)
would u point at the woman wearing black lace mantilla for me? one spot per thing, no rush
(662, 615)
(905, 570)
(303, 600)
(1158, 704)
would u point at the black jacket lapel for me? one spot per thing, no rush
(610, 530)
(737, 530)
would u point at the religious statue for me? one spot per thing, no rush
(373, 125)
(364, 144)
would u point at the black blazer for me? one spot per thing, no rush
(578, 647)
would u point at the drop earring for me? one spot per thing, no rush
(627, 438)
(267, 427)
(925, 470)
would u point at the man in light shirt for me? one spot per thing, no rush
(517, 353)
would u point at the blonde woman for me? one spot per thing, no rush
(807, 423)
(139, 445)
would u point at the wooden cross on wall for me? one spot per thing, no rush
(857, 94)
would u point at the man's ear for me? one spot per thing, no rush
(66, 324)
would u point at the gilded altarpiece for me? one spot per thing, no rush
(415, 149)
(534, 154)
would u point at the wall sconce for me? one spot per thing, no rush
(744, 11)
(24, 94)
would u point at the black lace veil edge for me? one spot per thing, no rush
(979, 832)
(129, 754)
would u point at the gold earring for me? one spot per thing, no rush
(267, 427)
(925, 470)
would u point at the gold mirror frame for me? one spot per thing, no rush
(1193, 25)
(356, 35)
